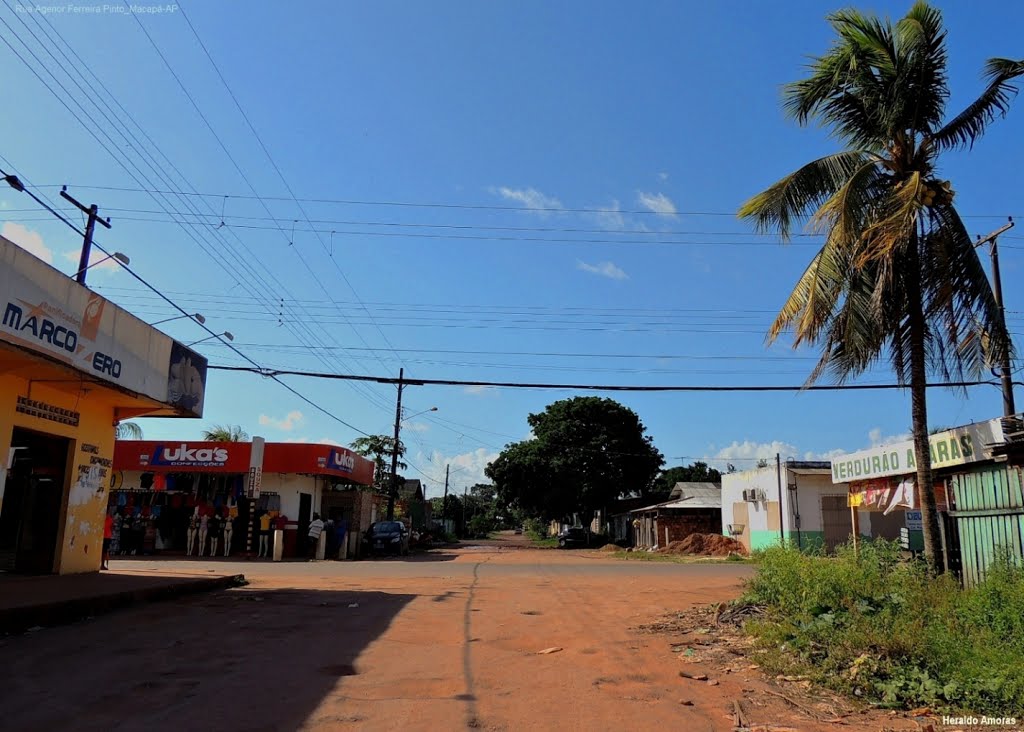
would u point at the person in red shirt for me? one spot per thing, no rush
(108, 534)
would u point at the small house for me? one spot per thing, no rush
(692, 508)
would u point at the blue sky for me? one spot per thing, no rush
(656, 119)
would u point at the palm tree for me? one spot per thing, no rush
(226, 433)
(898, 275)
(127, 431)
(379, 448)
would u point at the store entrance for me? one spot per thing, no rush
(33, 493)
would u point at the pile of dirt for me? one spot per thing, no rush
(710, 545)
(610, 548)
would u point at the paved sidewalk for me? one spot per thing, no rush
(28, 602)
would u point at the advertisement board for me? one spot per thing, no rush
(957, 446)
(45, 311)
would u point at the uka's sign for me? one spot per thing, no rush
(958, 446)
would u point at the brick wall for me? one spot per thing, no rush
(701, 521)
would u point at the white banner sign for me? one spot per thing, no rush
(45, 311)
(958, 446)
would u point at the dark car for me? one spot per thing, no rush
(573, 537)
(386, 537)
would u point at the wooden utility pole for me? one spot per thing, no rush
(393, 488)
(94, 215)
(1006, 375)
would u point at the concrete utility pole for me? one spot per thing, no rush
(1006, 375)
(444, 502)
(393, 490)
(93, 213)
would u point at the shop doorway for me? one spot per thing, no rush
(305, 514)
(30, 516)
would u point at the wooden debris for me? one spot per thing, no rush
(739, 717)
(695, 677)
(546, 651)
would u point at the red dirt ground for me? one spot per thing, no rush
(447, 641)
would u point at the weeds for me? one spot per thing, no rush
(880, 628)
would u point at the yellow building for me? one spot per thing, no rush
(72, 365)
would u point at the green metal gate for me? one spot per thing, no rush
(989, 517)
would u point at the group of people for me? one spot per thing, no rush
(336, 531)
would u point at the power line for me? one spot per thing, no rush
(467, 206)
(277, 169)
(241, 262)
(603, 387)
(218, 336)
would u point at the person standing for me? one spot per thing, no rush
(316, 527)
(108, 537)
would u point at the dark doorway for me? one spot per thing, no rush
(305, 509)
(33, 494)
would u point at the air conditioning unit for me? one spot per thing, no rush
(750, 494)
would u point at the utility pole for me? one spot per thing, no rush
(393, 490)
(93, 213)
(444, 503)
(1006, 375)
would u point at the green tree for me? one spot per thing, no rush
(587, 451)
(898, 275)
(127, 431)
(225, 433)
(698, 472)
(379, 448)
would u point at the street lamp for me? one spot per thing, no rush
(225, 334)
(195, 316)
(432, 409)
(122, 258)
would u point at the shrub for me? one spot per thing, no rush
(882, 628)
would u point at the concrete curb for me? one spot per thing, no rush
(20, 619)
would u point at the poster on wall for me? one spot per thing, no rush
(186, 379)
(886, 496)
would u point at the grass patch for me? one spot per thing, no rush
(882, 629)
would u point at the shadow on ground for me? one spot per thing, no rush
(239, 659)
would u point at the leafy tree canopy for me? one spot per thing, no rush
(587, 451)
(379, 448)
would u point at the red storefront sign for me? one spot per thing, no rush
(234, 457)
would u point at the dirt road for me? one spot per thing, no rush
(447, 641)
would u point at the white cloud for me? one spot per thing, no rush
(610, 217)
(529, 197)
(659, 203)
(876, 437)
(662, 176)
(30, 241)
(97, 260)
(744, 455)
(310, 441)
(466, 469)
(604, 269)
(477, 390)
(416, 427)
(291, 420)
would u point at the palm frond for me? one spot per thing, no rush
(964, 130)
(778, 207)
(922, 83)
(896, 222)
(128, 431)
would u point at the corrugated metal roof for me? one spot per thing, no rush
(697, 495)
(683, 489)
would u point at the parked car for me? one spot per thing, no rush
(386, 537)
(573, 537)
(519, 529)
